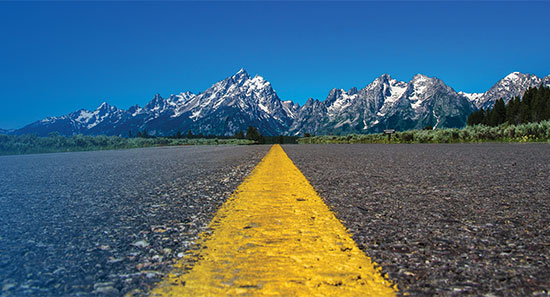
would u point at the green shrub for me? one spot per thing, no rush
(523, 133)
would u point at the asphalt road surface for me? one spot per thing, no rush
(108, 222)
(447, 220)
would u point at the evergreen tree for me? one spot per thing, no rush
(189, 134)
(524, 115)
(261, 139)
(252, 134)
(512, 111)
(239, 134)
(476, 117)
(498, 113)
(539, 105)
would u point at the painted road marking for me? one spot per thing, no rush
(276, 237)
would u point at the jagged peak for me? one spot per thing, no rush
(242, 71)
(240, 75)
(385, 77)
(187, 93)
(335, 91)
(157, 97)
(104, 105)
(311, 101)
(420, 77)
(513, 76)
(516, 75)
(382, 79)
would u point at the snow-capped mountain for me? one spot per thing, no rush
(233, 104)
(385, 103)
(241, 100)
(511, 86)
(104, 120)
(228, 106)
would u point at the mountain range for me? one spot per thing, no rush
(241, 100)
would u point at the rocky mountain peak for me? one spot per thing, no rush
(240, 76)
(421, 79)
(104, 106)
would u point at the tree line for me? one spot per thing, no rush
(252, 134)
(54, 142)
(534, 107)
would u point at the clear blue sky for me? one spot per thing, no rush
(57, 57)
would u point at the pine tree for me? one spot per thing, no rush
(498, 113)
(546, 115)
(252, 134)
(512, 111)
(476, 117)
(239, 134)
(523, 115)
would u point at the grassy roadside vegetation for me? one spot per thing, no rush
(32, 144)
(54, 142)
(529, 132)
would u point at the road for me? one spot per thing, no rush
(442, 220)
(446, 220)
(108, 222)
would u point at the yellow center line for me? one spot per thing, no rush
(276, 237)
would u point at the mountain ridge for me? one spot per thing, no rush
(240, 100)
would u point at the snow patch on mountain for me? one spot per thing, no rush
(472, 97)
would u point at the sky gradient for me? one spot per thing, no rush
(58, 57)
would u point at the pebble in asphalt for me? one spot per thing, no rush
(444, 220)
(108, 223)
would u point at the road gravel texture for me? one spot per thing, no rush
(442, 220)
(108, 223)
